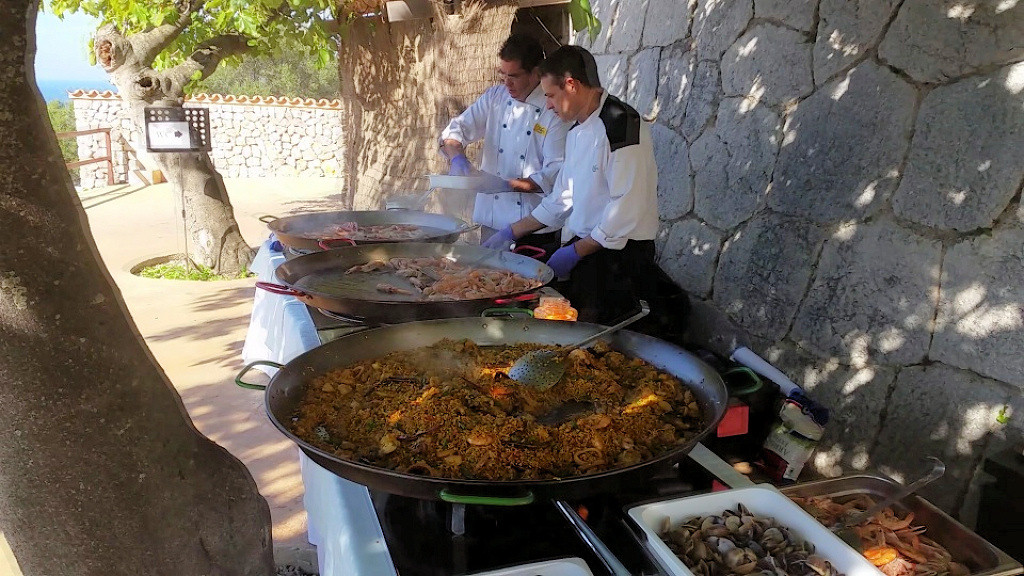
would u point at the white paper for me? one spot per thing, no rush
(169, 135)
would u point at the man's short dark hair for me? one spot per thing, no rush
(572, 62)
(524, 49)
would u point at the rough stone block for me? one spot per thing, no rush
(718, 23)
(675, 193)
(843, 145)
(690, 254)
(873, 297)
(675, 78)
(963, 183)
(936, 40)
(938, 411)
(667, 22)
(981, 315)
(770, 64)
(643, 82)
(733, 162)
(702, 103)
(628, 27)
(846, 30)
(798, 14)
(856, 399)
(612, 70)
(764, 271)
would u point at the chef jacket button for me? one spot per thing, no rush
(521, 157)
(519, 203)
(504, 125)
(495, 196)
(500, 150)
(509, 102)
(528, 132)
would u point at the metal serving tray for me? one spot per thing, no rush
(966, 547)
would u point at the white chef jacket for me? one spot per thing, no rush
(521, 140)
(608, 186)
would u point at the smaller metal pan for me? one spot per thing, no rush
(307, 232)
(319, 279)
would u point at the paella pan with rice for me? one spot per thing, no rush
(449, 410)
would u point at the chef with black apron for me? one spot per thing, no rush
(606, 198)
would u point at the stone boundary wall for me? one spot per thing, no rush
(252, 136)
(843, 179)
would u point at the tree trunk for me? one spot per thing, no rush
(212, 235)
(102, 471)
(401, 83)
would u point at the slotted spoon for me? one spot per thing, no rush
(544, 368)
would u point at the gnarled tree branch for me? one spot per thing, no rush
(206, 57)
(148, 44)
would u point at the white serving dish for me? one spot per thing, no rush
(761, 500)
(562, 567)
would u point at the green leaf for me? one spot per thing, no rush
(583, 18)
(323, 58)
(1004, 415)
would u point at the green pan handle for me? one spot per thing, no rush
(250, 366)
(506, 311)
(755, 381)
(447, 496)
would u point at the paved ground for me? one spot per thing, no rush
(196, 329)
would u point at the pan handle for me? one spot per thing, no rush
(523, 500)
(267, 218)
(537, 252)
(520, 298)
(466, 228)
(250, 366)
(326, 244)
(510, 311)
(279, 289)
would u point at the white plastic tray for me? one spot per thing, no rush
(761, 500)
(563, 567)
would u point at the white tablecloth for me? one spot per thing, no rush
(342, 523)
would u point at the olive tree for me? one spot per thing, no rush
(154, 49)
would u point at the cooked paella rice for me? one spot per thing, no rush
(449, 410)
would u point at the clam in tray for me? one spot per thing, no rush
(754, 530)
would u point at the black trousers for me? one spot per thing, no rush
(607, 285)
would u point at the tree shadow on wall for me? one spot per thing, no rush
(901, 309)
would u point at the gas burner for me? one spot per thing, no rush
(290, 252)
(420, 539)
(354, 320)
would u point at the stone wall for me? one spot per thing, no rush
(251, 136)
(844, 180)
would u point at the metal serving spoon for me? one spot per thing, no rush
(844, 528)
(544, 368)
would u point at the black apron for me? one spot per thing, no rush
(606, 286)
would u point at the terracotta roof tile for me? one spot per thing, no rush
(203, 97)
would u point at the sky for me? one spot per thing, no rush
(62, 55)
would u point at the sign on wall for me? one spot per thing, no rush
(172, 129)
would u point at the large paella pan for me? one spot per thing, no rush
(285, 392)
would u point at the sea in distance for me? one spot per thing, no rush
(58, 89)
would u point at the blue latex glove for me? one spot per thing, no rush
(501, 240)
(460, 166)
(563, 261)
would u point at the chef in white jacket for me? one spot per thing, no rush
(605, 196)
(523, 142)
